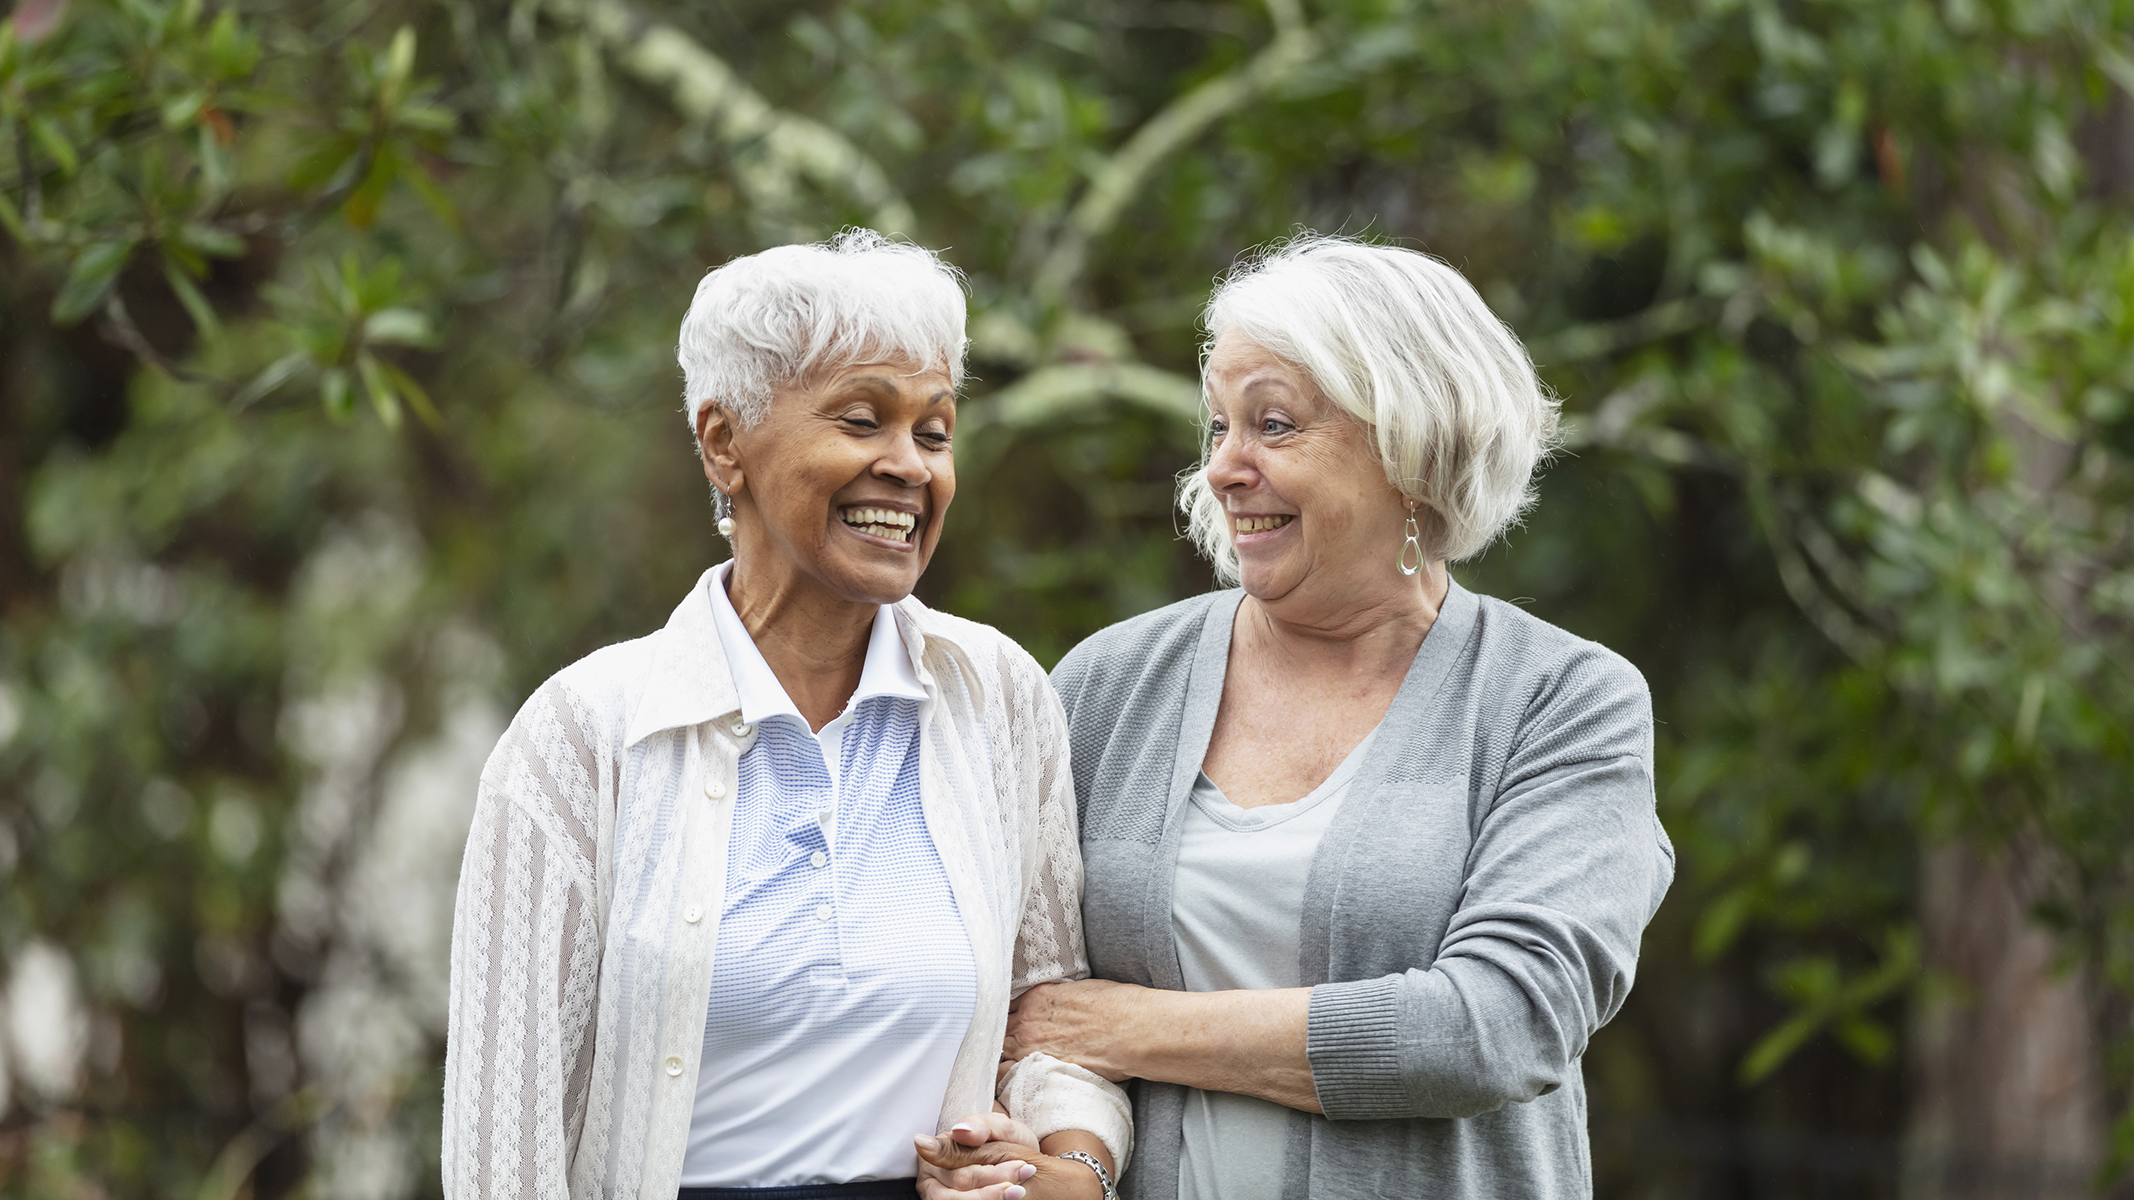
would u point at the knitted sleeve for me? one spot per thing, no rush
(1568, 865)
(526, 936)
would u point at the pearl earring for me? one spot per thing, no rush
(726, 526)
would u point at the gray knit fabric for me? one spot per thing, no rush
(1472, 916)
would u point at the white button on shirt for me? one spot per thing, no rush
(843, 986)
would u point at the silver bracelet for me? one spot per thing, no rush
(1111, 1192)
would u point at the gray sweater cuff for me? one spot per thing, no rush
(1353, 1044)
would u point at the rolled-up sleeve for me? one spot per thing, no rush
(1567, 866)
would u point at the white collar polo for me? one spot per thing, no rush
(887, 671)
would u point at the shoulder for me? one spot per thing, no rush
(1511, 643)
(592, 698)
(1557, 688)
(1152, 644)
(994, 657)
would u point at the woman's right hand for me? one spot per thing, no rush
(984, 1156)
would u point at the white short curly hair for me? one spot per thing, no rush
(1402, 343)
(772, 319)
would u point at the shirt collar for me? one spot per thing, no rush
(887, 670)
(688, 680)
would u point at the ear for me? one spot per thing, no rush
(716, 446)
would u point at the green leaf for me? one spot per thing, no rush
(336, 394)
(418, 399)
(213, 242)
(322, 165)
(195, 304)
(1722, 922)
(1777, 1046)
(89, 280)
(232, 52)
(184, 110)
(382, 396)
(398, 327)
(281, 371)
(399, 64)
(54, 140)
(11, 220)
(362, 206)
(426, 189)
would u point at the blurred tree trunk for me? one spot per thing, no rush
(2008, 1092)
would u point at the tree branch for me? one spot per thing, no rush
(1178, 123)
(118, 329)
(1042, 393)
(779, 146)
(1606, 337)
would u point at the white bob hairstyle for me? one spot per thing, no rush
(777, 318)
(1401, 343)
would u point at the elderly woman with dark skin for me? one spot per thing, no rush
(1368, 855)
(746, 900)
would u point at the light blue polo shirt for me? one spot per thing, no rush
(843, 982)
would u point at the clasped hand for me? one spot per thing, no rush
(988, 1156)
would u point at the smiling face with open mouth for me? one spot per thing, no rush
(1311, 513)
(843, 483)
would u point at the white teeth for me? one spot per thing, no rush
(879, 516)
(881, 522)
(1261, 524)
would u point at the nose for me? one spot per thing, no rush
(901, 463)
(1230, 465)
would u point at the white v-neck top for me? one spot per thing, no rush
(1237, 912)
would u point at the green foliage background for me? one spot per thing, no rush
(338, 409)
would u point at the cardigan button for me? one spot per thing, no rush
(713, 789)
(674, 1065)
(742, 729)
(692, 914)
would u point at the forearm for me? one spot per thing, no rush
(1077, 1179)
(1248, 1042)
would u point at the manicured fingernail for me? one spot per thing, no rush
(1026, 1172)
(926, 1143)
(1013, 1193)
(964, 1128)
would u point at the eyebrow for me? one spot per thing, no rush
(879, 383)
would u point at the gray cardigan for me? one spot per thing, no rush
(1471, 918)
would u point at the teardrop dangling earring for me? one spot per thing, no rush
(1413, 546)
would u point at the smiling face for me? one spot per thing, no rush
(1313, 519)
(844, 482)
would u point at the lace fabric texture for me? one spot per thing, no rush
(588, 903)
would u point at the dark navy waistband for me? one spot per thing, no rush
(896, 1189)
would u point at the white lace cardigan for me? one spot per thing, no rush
(589, 902)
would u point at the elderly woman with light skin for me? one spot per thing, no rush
(745, 900)
(1368, 856)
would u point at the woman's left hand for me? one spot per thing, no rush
(1088, 1022)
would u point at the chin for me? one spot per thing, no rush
(872, 583)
